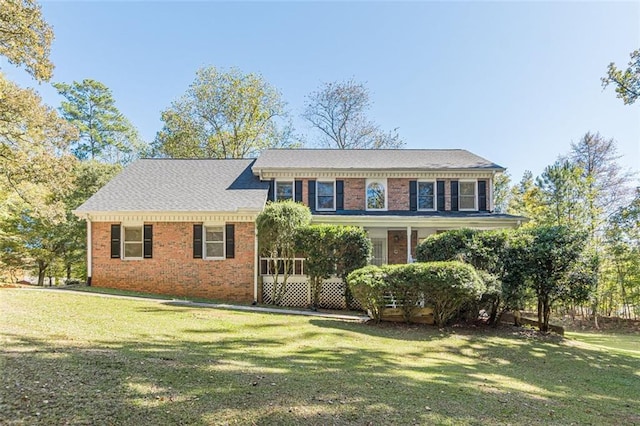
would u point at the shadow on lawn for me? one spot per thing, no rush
(244, 380)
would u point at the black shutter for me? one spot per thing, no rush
(413, 195)
(298, 191)
(148, 241)
(197, 241)
(482, 195)
(339, 195)
(272, 184)
(115, 241)
(454, 195)
(440, 189)
(230, 241)
(312, 195)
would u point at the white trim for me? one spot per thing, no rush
(167, 216)
(383, 182)
(418, 222)
(435, 195)
(334, 195)
(475, 198)
(293, 188)
(283, 173)
(89, 248)
(409, 257)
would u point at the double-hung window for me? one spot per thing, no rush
(325, 195)
(214, 242)
(376, 193)
(133, 239)
(467, 195)
(426, 195)
(284, 190)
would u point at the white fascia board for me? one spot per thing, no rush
(266, 174)
(421, 222)
(171, 216)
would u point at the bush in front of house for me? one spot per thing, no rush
(369, 286)
(445, 286)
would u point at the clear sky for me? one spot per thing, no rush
(513, 82)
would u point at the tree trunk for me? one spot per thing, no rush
(68, 271)
(42, 267)
(540, 313)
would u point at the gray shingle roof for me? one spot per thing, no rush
(181, 185)
(372, 159)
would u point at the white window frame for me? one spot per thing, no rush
(435, 195)
(475, 195)
(281, 181)
(124, 242)
(333, 208)
(382, 182)
(205, 241)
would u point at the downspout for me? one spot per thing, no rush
(89, 251)
(256, 262)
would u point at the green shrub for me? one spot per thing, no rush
(448, 286)
(369, 286)
(404, 284)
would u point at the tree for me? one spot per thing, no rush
(25, 37)
(224, 115)
(33, 145)
(104, 132)
(626, 82)
(544, 257)
(353, 251)
(339, 112)
(525, 199)
(501, 192)
(563, 191)
(317, 244)
(277, 226)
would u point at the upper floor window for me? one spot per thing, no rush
(426, 195)
(325, 195)
(284, 190)
(376, 194)
(133, 238)
(214, 242)
(467, 195)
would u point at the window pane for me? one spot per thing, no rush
(214, 234)
(425, 195)
(467, 188)
(215, 250)
(325, 203)
(467, 202)
(375, 196)
(132, 249)
(325, 189)
(133, 234)
(284, 191)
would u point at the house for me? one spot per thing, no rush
(187, 227)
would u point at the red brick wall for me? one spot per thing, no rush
(398, 196)
(173, 270)
(397, 251)
(354, 196)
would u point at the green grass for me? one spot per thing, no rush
(77, 359)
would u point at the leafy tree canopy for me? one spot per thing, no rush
(224, 115)
(626, 81)
(25, 37)
(104, 132)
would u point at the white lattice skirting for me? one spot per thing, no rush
(298, 293)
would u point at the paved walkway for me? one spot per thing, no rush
(187, 303)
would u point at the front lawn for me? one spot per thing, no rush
(82, 359)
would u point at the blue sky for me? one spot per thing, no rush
(513, 82)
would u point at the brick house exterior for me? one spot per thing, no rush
(187, 227)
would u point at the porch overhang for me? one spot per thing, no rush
(440, 222)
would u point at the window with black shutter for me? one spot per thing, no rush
(440, 194)
(312, 195)
(197, 241)
(413, 195)
(298, 191)
(482, 195)
(115, 241)
(148, 241)
(230, 249)
(454, 195)
(339, 195)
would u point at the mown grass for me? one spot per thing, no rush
(78, 359)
